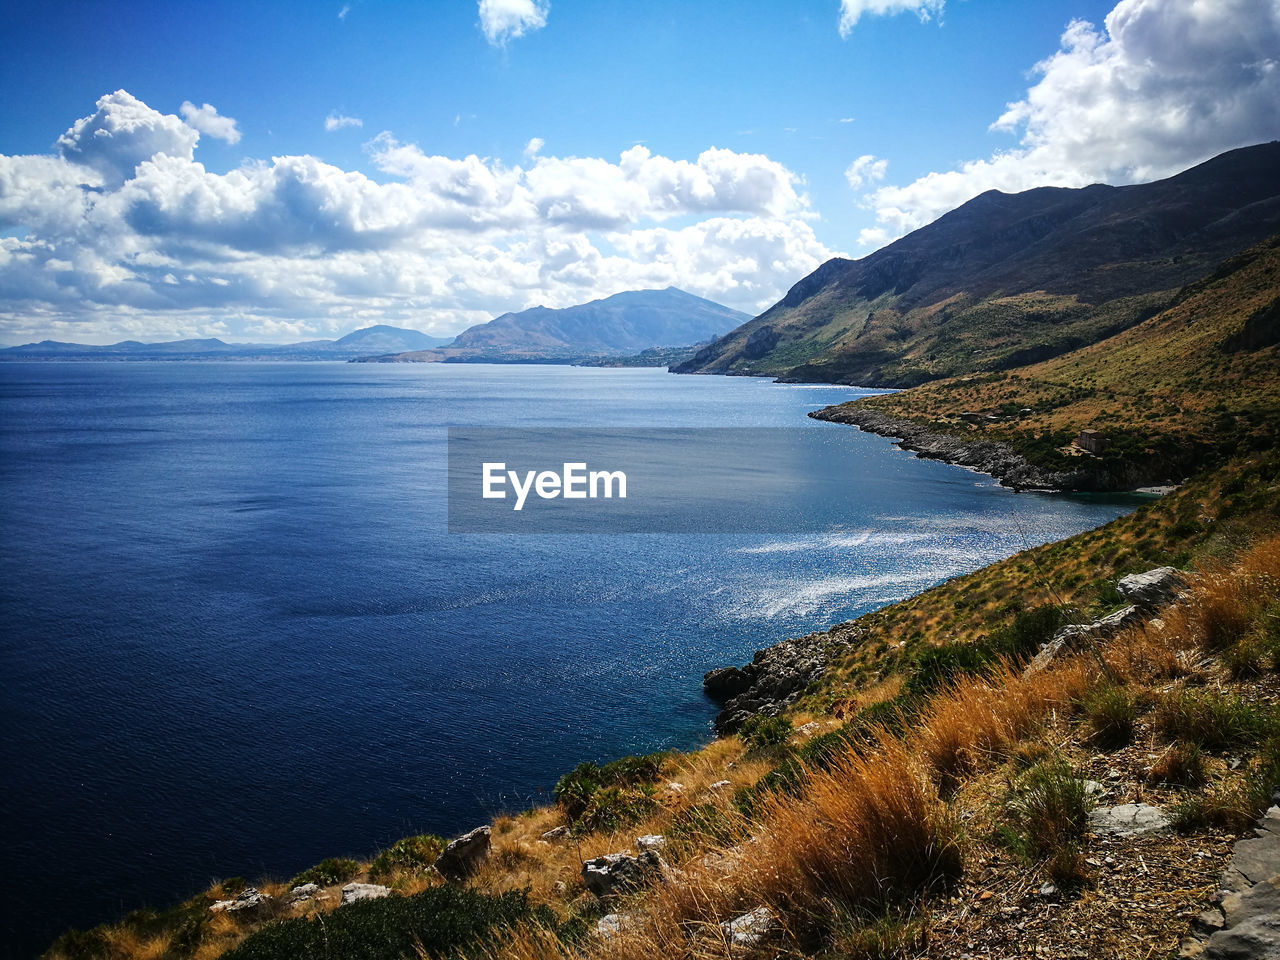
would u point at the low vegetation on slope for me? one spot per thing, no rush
(1186, 390)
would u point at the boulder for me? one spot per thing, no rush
(611, 924)
(556, 833)
(751, 929)
(1128, 819)
(304, 892)
(1256, 858)
(1152, 589)
(654, 842)
(247, 900)
(720, 785)
(619, 872)
(1073, 636)
(363, 891)
(460, 858)
(725, 683)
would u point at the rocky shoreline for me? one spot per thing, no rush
(776, 677)
(991, 457)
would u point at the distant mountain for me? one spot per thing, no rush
(376, 339)
(1005, 280)
(622, 325)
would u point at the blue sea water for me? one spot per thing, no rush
(237, 637)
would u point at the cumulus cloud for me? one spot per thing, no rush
(122, 133)
(208, 121)
(534, 146)
(866, 169)
(505, 20)
(1161, 86)
(124, 232)
(851, 11)
(336, 121)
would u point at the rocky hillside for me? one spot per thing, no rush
(1006, 280)
(1186, 389)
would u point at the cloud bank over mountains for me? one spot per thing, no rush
(123, 232)
(1161, 86)
(120, 231)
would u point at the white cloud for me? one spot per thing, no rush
(534, 146)
(336, 121)
(866, 169)
(124, 233)
(1165, 84)
(342, 14)
(505, 20)
(851, 11)
(123, 132)
(208, 121)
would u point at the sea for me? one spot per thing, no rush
(238, 636)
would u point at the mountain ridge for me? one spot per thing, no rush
(360, 342)
(1008, 279)
(624, 324)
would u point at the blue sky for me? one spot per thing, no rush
(487, 171)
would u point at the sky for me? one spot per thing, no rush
(283, 171)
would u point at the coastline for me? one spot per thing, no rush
(996, 459)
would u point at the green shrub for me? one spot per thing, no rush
(1112, 714)
(574, 790)
(1046, 812)
(410, 853)
(439, 922)
(1246, 658)
(328, 872)
(890, 935)
(936, 666)
(1029, 629)
(758, 732)
(611, 808)
(1210, 719)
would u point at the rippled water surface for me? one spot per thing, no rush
(237, 638)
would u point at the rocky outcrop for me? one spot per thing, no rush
(460, 858)
(751, 929)
(775, 678)
(616, 873)
(1146, 593)
(653, 842)
(612, 924)
(1128, 819)
(363, 891)
(303, 893)
(1153, 589)
(725, 683)
(991, 457)
(249, 900)
(1245, 923)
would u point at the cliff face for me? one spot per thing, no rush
(1008, 279)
